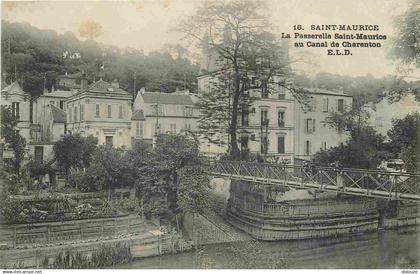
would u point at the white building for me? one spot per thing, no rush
(157, 112)
(311, 134)
(102, 110)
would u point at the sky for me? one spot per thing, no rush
(146, 25)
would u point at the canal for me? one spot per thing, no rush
(387, 249)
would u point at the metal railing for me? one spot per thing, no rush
(360, 182)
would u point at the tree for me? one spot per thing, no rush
(115, 167)
(234, 33)
(74, 151)
(12, 138)
(406, 50)
(365, 148)
(404, 140)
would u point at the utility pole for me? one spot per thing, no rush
(45, 81)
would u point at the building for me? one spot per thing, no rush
(47, 106)
(267, 126)
(19, 101)
(156, 112)
(69, 81)
(311, 134)
(102, 110)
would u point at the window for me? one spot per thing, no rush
(312, 104)
(245, 116)
(139, 129)
(173, 128)
(62, 104)
(70, 114)
(15, 110)
(264, 117)
(264, 90)
(188, 127)
(324, 145)
(282, 94)
(307, 147)
(97, 111)
(264, 144)
(244, 143)
(325, 104)
(75, 114)
(109, 111)
(340, 105)
(280, 144)
(82, 112)
(120, 112)
(310, 125)
(39, 153)
(281, 118)
(109, 141)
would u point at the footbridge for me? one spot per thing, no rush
(360, 182)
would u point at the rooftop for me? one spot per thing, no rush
(13, 88)
(58, 115)
(167, 98)
(328, 92)
(138, 115)
(102, 86)
(71, 76)
(59, 93)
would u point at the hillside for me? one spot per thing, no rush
(33, 53)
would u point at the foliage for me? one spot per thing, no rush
(113, 166)
(405, 45)
(12, 137)
(44, 53)
(74, 151)
(365, 149)
(106, 255)
(404, 140)
(235, 34)
(37, 169)
(194, 189)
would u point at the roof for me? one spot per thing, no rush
(105, 87)
(167, 98)
(138, 115)
(328, 92)
(14, 88)
(71, 76)
(58, 115)
(59, 93)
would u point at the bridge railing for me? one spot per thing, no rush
(375, 183)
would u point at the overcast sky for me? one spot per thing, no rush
(146, 24)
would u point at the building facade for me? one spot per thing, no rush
(48, 110)
(69, 81)
(102, 110)
(266, 127)
(156, 112)
(19, 101)
(311, 134)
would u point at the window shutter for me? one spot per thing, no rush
(314, 104)
(336, 104)
(313, 127)
(344, 106)
(306, 125)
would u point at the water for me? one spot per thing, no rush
(388, 249)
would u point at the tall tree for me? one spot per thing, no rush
(405, 139)
(247, 57)
(74, 151)
(406, 50)
(12, 138)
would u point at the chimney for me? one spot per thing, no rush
(115, 84)
(83, 82)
